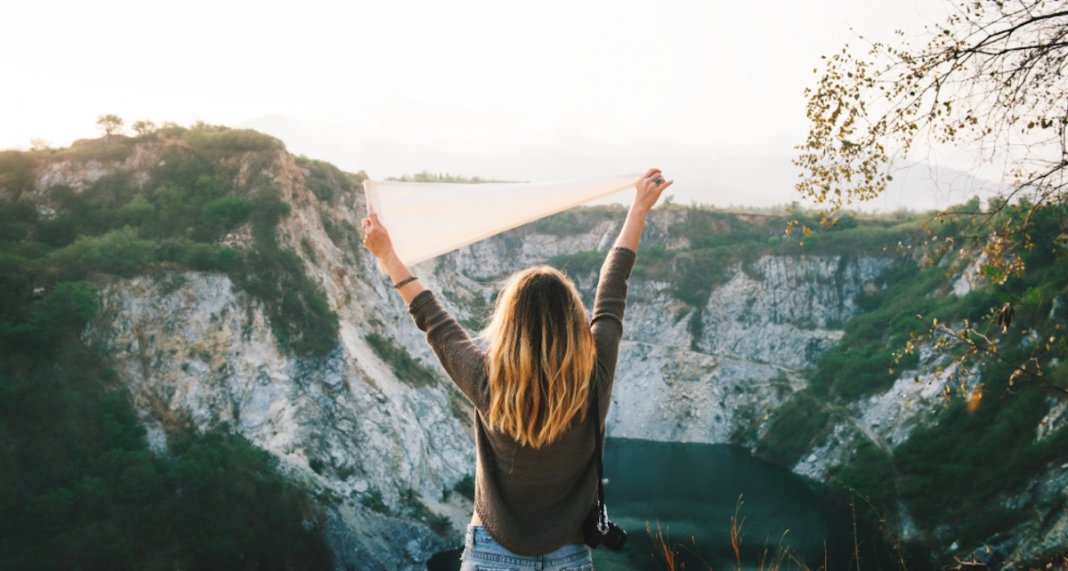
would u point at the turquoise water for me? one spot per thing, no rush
(692, 491)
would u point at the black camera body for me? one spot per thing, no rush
(613, 537)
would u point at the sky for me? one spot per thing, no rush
(544, 90)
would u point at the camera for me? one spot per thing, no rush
(609, 534)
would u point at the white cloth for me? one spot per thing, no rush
(427, 219)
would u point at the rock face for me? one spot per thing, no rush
(385, 453)
(760, 329)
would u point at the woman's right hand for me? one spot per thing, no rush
(376, 238)
(648, 190)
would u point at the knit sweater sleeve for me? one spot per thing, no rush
(606, 323)
(461, 358)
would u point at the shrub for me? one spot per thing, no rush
(219, 138)
(227, 211)
(326, 181)
(118, 252)
(70, 305)
(794, 428)
(18, 174)
(465, 487)
(579, 263)
(407, 369)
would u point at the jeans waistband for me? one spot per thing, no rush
(480, 545)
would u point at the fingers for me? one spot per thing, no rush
(651, 173)
(372, 222)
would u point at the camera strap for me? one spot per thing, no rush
(602, 511)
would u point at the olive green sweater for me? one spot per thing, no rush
(532, 501)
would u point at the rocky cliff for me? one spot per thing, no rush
(379, 434)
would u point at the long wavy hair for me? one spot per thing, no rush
(540, 357)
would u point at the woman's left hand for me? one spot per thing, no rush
(376, 238)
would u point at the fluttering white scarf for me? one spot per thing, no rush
(427, 219)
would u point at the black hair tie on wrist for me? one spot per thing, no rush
(405, 282)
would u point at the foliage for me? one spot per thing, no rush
(466, 487)
(794, 427)
(980, 447)
(80, 489)
(68, 307)
(325, 180)
(1016, 308)
(110, 124)
(300, 316)
(144, 128)
(407, 369)
(17, 174)
(206, 137)
(190, 201)
(981, 452)
(580, 263)
(563, 224)
(988, 78)
(118, 252)
(870, 473)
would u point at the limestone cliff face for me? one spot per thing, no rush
(384, 452)
(194, 348)
(766, 323)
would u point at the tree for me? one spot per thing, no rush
(143, 128)
(990, 78)
(111, 124)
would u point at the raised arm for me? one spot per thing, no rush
(610, 300)
(377, 240)
(458, 354)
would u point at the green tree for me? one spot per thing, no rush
(110, 124)
(143, 128)
(988, 78)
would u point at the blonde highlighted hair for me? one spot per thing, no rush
(540, 357)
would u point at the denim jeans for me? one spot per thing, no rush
(482, 553)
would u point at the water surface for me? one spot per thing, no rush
(692, 491)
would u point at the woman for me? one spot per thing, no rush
(536, 476)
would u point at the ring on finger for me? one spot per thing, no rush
(659, 181)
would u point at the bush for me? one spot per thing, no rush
(18, 174)
(869, 473)
(326, 181)
(579, 263)
(64, 312)
(466, 487)
(563, 224)
(794, 428)
(118, 252)
(219, 138)
(407, 369)
(226, 212)
(82, 490)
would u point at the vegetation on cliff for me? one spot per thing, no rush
(79, 487)
(983, 445)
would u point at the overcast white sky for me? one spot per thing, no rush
(523, 90)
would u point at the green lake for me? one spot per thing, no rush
(692, 491)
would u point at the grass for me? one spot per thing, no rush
(768, 557)
(765, 559)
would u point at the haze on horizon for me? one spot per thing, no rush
(710, 92)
